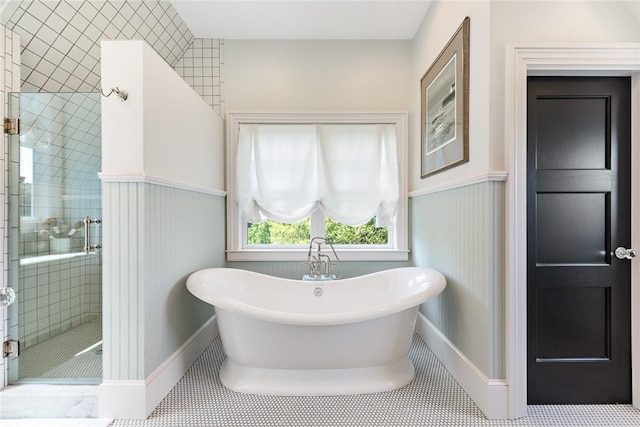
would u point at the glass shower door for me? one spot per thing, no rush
(54, 187)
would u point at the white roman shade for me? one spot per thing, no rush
(284, 172)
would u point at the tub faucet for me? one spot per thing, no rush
(316, 260)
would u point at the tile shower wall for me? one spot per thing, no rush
(202, 68)
(61, 133)
(61, 43)
(460, 232)
(61, 40)
(54, 297)
(9, 82)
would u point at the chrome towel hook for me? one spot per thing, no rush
(121, 94)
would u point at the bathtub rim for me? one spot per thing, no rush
(436, 286)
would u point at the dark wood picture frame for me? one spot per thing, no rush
(444, 94)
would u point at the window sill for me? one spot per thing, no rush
(300, 255)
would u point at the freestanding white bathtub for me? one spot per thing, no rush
(294, 337)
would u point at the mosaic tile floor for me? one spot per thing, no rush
(432, 399)
(57, 358)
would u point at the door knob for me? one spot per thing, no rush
(7, 296)
(624, 253)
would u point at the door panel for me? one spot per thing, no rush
(578, 198)
(572, 323)
(54, 184)
(572, 141)
(570, 228)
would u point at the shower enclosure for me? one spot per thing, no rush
(55, 203)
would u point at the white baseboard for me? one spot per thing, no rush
(491, 396)
(136, 399)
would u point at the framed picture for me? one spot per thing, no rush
(445, 106)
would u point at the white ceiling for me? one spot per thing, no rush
(303, 19)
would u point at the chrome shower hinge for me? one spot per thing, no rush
(12, 126)
(11, 348)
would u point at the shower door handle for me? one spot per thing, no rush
(88, 247)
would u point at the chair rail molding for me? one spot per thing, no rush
(521, 61)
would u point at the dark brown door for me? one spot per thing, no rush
(579, 211)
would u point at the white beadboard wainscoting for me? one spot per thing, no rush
(459, 231)
(154, 329)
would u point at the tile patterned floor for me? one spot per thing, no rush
(57, 422)
(432, 399)
(57, 359)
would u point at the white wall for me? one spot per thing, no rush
(296, 75)
(163, 218)
(551, 22)
(317, 75)
(179, 148)
(494, 26)
(439, 25)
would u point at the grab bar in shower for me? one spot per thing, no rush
(88, 247)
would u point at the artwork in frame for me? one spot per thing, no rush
(445, 106)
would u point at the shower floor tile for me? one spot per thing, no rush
(63, 358)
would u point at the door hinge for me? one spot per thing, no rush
(12, 126)
(11, 348)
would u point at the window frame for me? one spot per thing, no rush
(237, 250)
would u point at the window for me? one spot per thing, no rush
(310, 204)
(271, 233)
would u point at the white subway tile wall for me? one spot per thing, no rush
(64, 130)
(201, 67)
(61, 40)
(54, 297)
(61, 43)
(9, 82)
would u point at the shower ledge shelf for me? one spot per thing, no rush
(55, 257)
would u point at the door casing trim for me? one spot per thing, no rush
(523, 60)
